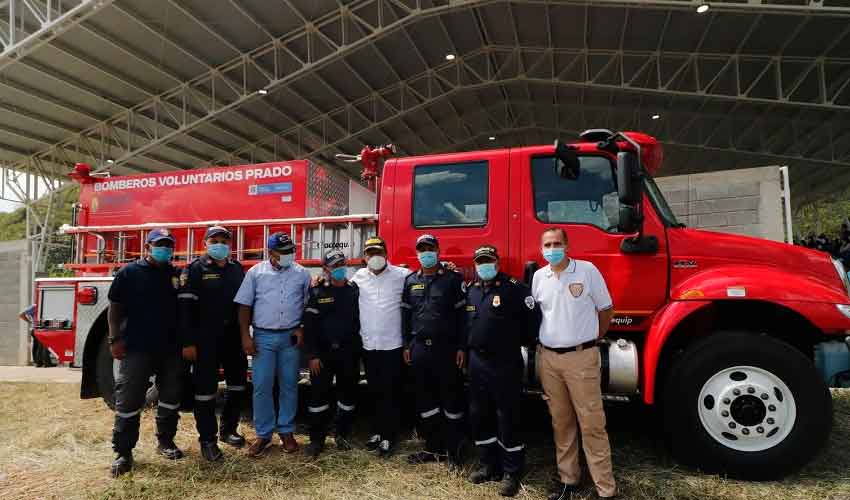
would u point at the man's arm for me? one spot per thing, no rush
(406, 315)
(311, 323)
(531, 316)
(602, 300)
(187, 310)
(605, 320)
(245, 299)
(460, 321)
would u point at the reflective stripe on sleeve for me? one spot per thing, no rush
(345, 407)
(405, 305)
(311, 310)
(317, 409)
(460, 304)
(486, 441)
(429, 413)
(512, 449)
(190, 296)
(204, 397)
(235, 388)
(453, 416)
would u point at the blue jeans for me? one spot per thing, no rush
(276, 356)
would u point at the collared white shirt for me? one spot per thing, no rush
(570, 303)
(380, 307)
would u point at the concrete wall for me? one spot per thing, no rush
(746, 201)
(14, 293)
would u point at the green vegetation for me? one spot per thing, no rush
(822, 216)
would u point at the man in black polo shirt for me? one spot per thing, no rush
(143, 341)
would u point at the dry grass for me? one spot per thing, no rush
(53, 445)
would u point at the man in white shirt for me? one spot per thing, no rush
(577, 311)
(381, 285)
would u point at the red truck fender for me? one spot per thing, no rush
(663, 323)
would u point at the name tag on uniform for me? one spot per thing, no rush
(470, 308)
(418, 287)
(326, 300)
(210, 276)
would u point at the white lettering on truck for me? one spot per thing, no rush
(186, 179)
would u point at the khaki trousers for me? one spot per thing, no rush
(571, 384)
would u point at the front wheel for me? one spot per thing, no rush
(749, 406)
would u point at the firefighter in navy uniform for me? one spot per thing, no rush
(209, 330)
(435, 347)
(501, 316)
(332, 345)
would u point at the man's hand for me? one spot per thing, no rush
(248, 346)
(460, 359)
(190, 353)
(315, 280)
(118, 349)
(451, 266)
(299, 337)
(406, 355)
(315, 367)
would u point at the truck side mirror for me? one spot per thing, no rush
(630, 219)
(567, 165)
(629, 178)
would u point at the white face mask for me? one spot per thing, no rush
(286, 259)
(376, 262)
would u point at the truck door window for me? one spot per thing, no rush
(450, 195)
(591, 199)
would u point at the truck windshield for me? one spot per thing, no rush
(657, 199)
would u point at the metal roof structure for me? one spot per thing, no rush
(150, 85)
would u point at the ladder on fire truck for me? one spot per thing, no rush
(102, 249)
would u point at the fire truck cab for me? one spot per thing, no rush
(717, 331)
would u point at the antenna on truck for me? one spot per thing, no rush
(368, 158)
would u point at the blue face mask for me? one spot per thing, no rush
(428, 259)
(486, 271)
(218, 251)
(553, 256)
(338, 273)
(162, 254)
(286, 259)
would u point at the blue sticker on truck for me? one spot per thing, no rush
(273, 188)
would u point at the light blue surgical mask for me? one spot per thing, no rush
(486, 271)
(338, 273)
(553, 256)
(162, 254)
(428, 259)
(286, 259)
(218, 251)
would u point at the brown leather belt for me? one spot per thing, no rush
(580, 347)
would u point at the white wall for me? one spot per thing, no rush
(14, 297)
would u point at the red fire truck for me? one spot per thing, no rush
(717, 331)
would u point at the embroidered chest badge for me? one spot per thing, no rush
(576, 289)
(497, 301)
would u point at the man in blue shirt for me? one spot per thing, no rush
(271, 300)
(143, 340)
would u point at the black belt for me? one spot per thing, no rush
(580, 347)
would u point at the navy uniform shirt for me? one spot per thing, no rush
(331, 319)
(501, 316)
(205, 300)
(149, 296)
(432, 309)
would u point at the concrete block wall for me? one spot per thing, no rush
(13, 292)
(746, 201)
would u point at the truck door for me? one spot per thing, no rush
(588, 209)
(461, 199)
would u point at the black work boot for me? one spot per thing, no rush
(343, 443)
(484, 474)
(232, 439)
(509, 486)
(373, 443)
(424, 457)
(169, 450)
(561, 491)
(314, 449)
(122, 464)
(211, 452)
(385, 448)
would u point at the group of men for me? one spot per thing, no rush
(213, 315)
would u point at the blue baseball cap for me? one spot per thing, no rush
(216, 230)
(159, 234)
(280, 242)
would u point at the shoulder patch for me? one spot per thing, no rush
(529, 302)
(417, 286)
(514, 281)
(470, 308)
(326, 300)
(184, 277)
(463, 286)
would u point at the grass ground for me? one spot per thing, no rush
(54, 445)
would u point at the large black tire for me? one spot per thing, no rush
(693, 421)
(106, 380)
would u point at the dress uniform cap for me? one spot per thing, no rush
(333, 258)
(281, 242)
(485, 251)
(375, 242)
(216, 230)
(159, 234)
(427, 239)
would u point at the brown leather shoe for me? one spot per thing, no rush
(288, 442)
(259, 447)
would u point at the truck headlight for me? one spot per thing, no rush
(839, 268)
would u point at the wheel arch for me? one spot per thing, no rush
(682, 323)
(88, 384)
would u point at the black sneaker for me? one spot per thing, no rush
(424, 457)
(169, 450)
(232, 439)
(373, 442)
(385, 448)
(509, 486)
(562, 491)
(343, 444)
(122, 464)
(484, 474)
(314, 449)
(211, 452)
